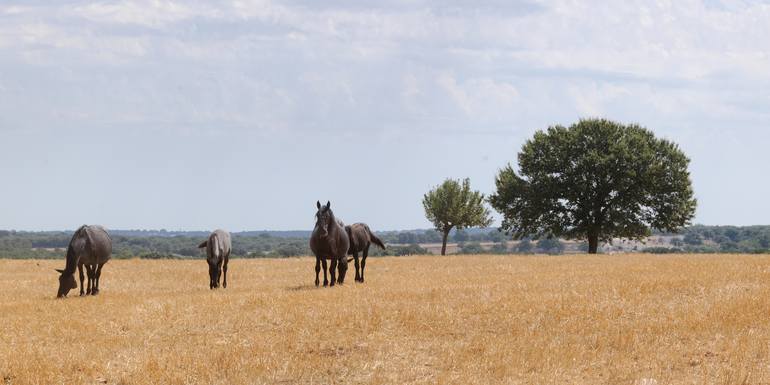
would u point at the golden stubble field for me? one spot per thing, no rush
(627, 319)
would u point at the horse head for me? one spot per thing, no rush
(324, 218)
(66, 283)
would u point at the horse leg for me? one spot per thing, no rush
(97, 275)
(224, 271)
(343, 267)
(333, 271)
(219, 272)
(355, 261)
(80, 271)
(90, 273)
(317, 270)
(363, 262)
(326, 281)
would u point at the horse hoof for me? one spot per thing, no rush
(95, 292)
(82, 294)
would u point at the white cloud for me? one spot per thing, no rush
(398, 69)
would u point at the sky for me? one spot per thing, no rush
(194, 115)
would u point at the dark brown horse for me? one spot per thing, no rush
(361, 237)
(90, 246)
(329, 241)
(218, 248)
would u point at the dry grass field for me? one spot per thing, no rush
(627, 319)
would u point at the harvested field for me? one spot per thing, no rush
(622, 319)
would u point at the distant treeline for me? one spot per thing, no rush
(260, 244)
(155, 245)
(719, 239)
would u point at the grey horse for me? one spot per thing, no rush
(361, 237)
(218, 248)
(90, 246)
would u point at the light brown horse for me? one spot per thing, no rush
(90, 246)
(361, 237)
(329, 241)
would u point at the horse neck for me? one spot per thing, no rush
(72, 261)
(334, 225)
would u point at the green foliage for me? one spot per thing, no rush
(454, 205)
(157, 255)
(461, 236)
(499, 248)
(290, 249)
(550, 246)
(525, 247)
(692, 238)
(147, 244)
(595, 180)
(662, 250)
(471, 248)
(495, 236)
(413, 249)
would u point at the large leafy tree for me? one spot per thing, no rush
(454, 205)
(595, 180)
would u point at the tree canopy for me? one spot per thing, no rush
(595, 180)
(454, 205)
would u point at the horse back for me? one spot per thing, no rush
(359, 237)
(92, 244)
(219, 245)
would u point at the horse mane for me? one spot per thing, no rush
(70, 260)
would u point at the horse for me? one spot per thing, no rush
(361, 237)
(218, 248)
(90, 246)
(329, 241)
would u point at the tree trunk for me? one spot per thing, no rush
(593, 243)
(443, 241)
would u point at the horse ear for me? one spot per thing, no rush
(318, 204)
(60, 271)
(328, 205)
(204, 244)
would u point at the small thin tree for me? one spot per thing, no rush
(454, 205)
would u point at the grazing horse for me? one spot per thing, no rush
(329, 241)
(218, 248)
(361, 237)
(90, 246)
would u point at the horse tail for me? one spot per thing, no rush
(375, 240)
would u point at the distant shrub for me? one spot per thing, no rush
(550, 246)
(693, 238)
(662, 250)
(471, 248)
(524, 247)
(158, 255)
(413, 249)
